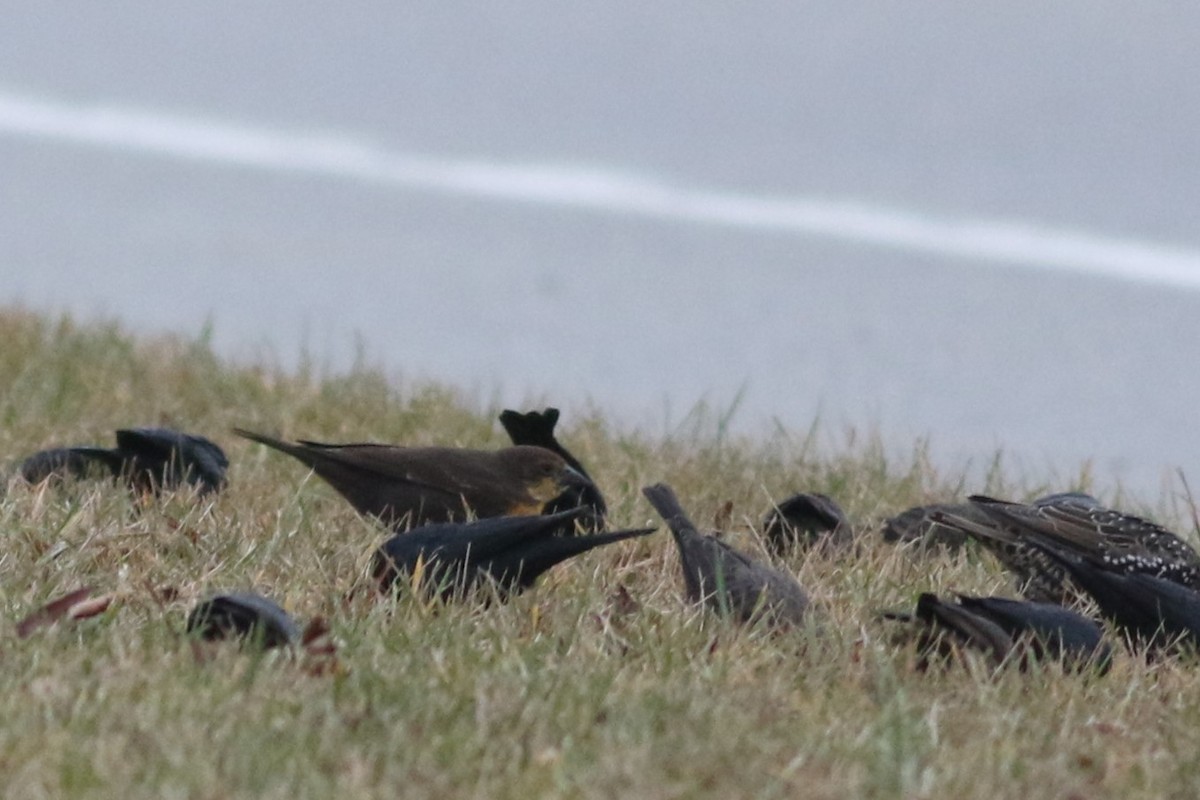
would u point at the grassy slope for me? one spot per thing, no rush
(563, 692)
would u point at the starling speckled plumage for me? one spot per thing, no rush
(1121, 542)
(920, 524)
(1150, 610)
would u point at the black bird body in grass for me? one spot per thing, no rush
(149, 459)
(245, 615)
(71, 462)
(1150, 610)
(1004, 629)
(729, 581)
(413, 486)
(161, 456)
(511, 552)
(536, 428)
(804, 520)
(1122, 542)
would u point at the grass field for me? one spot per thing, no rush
(599, 683)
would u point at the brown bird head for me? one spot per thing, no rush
(544, 473)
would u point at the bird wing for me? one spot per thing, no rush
(975, 523)
(972, 628)
(1117, 532)
(1097, 530)
(388, 481)
(519, 566)
(435, 469)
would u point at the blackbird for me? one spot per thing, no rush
(246, 615)
(537, 428)
(512, 552)
(1004, 629)
(804, 520)
(149, 459)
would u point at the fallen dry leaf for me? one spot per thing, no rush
(90, 607)
(623, 603)
(52, 612)
(316, 638)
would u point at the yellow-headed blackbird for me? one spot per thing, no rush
(411, 486)
(537, 428)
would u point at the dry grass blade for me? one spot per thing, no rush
(1191, 501)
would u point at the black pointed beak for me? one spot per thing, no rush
(571, 477)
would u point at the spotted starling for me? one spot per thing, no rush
(1152, 611)
(920, 524)
(1121, 542)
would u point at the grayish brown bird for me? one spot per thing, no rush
(729, 581)
(918, 527)
(411, 486)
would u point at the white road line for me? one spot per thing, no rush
(348, 157)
